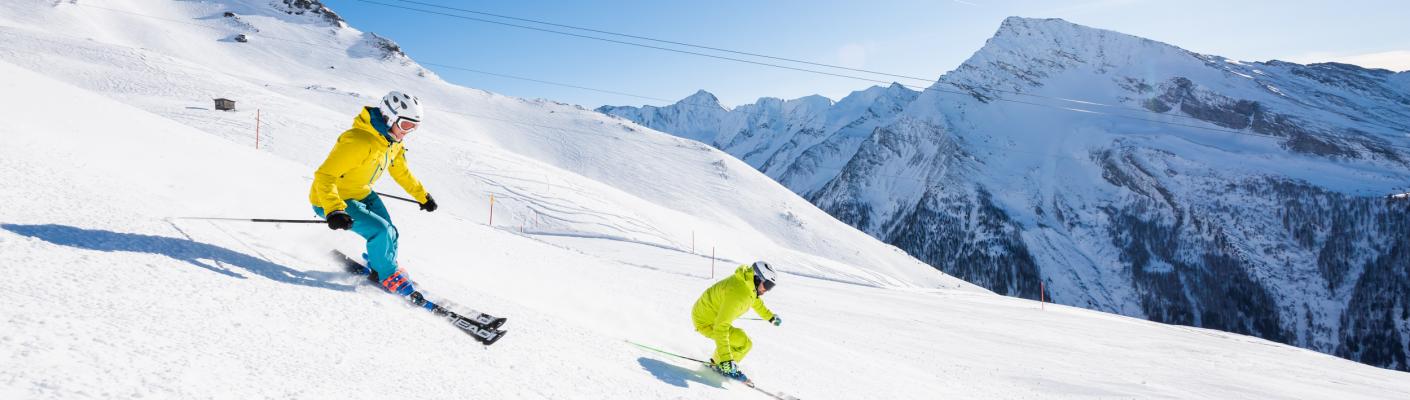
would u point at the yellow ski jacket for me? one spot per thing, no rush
(357, 161)
(726, 300)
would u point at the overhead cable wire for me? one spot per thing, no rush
(927, 81)
(654, 98)
(459, 68)
(698, 46)
(932, 88)
(995, 98)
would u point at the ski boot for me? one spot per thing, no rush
(729, 370)
(398, 283)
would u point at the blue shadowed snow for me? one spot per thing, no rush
(677, 375)
(181, 249)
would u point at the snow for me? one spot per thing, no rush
(109, 296)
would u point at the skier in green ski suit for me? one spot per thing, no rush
(714, 314)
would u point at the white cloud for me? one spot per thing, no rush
(1394, 60)
(1398, 60)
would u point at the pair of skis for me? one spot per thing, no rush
(706, 364)
(483, 327)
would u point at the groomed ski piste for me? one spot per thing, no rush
(109, 137)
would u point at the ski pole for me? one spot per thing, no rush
(664, 352)
(290, 221)
(398, 198)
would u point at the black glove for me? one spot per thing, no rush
(776, 320)
(429, 205)
(339, 220)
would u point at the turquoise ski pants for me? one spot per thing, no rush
(371, 221)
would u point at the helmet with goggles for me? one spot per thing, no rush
(403, 110)
(764, 275)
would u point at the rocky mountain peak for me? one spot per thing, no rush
(701, 98)
(1025, 52)
(312, 7)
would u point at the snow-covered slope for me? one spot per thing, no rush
(1136, 177)
(555, 170)
(107, 296)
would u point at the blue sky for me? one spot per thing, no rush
(916, 38)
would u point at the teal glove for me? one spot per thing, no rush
(776, 320)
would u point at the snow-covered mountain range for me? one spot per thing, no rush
(803, 143)
(1119, 174)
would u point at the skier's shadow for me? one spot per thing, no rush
(678, 376)
(196, 253)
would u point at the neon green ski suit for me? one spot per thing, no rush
(720, 305)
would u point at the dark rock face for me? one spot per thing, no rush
(1238, 114)
(951, 224)
(1373, 330)
(972, 239)
(388, 48)
(1214, 108)
(301, 7)
(1186, 270)
(1205, 275)
(1363, 247)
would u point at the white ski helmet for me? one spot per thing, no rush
(397, 105)
(764, 273)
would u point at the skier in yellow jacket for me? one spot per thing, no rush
(714, 314)
(342, 187)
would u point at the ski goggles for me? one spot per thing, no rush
(768, 284)
(406, 124)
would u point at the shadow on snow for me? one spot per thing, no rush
(193, 252)
(678, 376)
